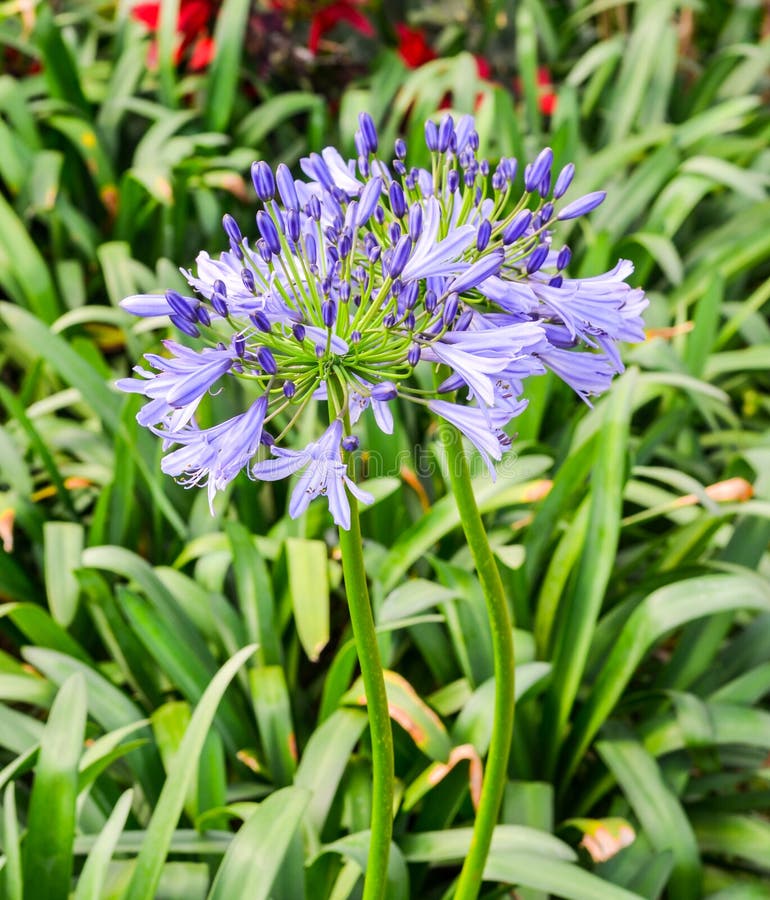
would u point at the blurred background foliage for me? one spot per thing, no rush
(141, 755)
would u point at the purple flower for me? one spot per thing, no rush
(325, 475)
(214, 456)
(361, 274)
(486, 436)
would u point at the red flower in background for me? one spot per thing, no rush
(546, 94)
(329, 16)
(191, 28)
(413, 46)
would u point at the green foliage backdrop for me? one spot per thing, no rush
(143, 752)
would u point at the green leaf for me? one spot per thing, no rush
(412, 713)
(157, 840)
(93, 876)
(356, 847)
(661, 815)
(307, 565)
(11, 874)
(324, 760)
(63, 542)
(51, 820)
(222, 79)
(270, 697)
(255, 594)
(443, 516)
(258, 850)
(659, 613)
(581, 609)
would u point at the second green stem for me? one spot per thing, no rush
(501, 625)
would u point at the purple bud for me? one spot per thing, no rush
(203, 316)
(269, 232)
(400, 256)
(379, 215)
(289, 389)
(430, 300)
(415, 221)
(345, 291)
(397, 199)
(410, 294)
(184, 307)
(310, 249)
(536, 258)
(374, 252)
(582, 205)
(400, 148)
(368, 130)
(545, 185)
(185, 325)
(350, 443)
(266, 439)
(370, 195)
(557, 281)
(389, 320)
(484, 234)
(451, 305)
(299, 332)
(564, 257)
(484, 167)
(464, 321)
(431, 136)
(260, 321)
(385, 390)
(236, 250)
(220, 304)
(315, 208)
(394, 232)
(344, 245)
(247, 277)
(546, 212)
(267, 360)
(536, 172)
(453, 180)
(239, 344)
(510, 166)
(445, 132)
(409, 321)
(355, 337)
(517, 226)
(363, 166)
(264, 250)
(293, 225)
(361, 147)
(231, 228)
(413, 354)
(286, 187)
(264, 182)
(329, 312)
(473, 140)
(564, 181)
(498, 180)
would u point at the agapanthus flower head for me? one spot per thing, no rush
(356, 275)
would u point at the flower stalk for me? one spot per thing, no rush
(504, 661)
(375, 880)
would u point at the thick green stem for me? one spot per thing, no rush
(365, 636)
(502, 647)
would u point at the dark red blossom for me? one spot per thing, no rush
(413, 46)
(192, 30)
(326, 18)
